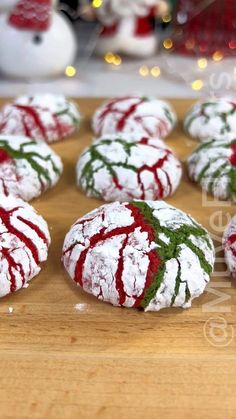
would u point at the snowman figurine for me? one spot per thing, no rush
(35, 40)
(127, 26)
(6, 5)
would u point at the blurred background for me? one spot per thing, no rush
(173, 48)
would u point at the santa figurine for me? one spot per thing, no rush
(128, 26)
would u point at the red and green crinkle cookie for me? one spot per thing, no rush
(27, 167)
(142, 254)
(149, 116)
(116, 168)
(44, 117)
(211, 119)
(213, 166)
(24, 244)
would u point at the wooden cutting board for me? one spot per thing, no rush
(98, 361)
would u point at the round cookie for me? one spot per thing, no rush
(116, 169)
(149, 116)
(211, 119)
(44, 117)
(27, 167)
(229, 245)
(24, 243)
(213, 166)
(142, 254)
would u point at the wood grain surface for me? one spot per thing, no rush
(103, 362)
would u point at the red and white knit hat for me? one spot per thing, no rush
(32, 15)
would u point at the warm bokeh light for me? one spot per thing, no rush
(197, 84)
(217, 56)
(202, 63)
(235, 70)
(144, 71)
(117, 60)
(155, 71)
(167, 18)
(70, 71)
(109, 57)
(168, 43)
(97, 3)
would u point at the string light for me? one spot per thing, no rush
(167, 18)
(197, 85)
(202, 63)
(217, 56)
(155, 71)
(109, 57)
(117, 60)
(168, 43)
(144, 71)
(70, 71)
(97, 3)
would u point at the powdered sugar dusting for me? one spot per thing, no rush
(118, 169)
(211, 119)
(24, 242)
(148, 116)
(139, 260)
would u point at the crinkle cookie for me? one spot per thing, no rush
(43, 117)
(229, 244)
(149, 116)
(24, 243)
(27, 167)
(213, 166)
(142, 254)
(211, 119)
(116, 169)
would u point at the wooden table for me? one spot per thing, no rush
(97, 361)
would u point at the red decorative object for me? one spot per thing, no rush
(203, 27)
(32, 15)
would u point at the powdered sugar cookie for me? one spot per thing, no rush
(229, 244)
(213, 166)
(211, 119)
(150, 117)
(117, 169)
(142, 254)
(27, 167)
(43, 117)
(23, 246)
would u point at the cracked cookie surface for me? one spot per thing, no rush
(24, 242)
(115, 168)
(211, 119)
(27, 168)
(148, 116)
(43, 117)
(142, 254)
